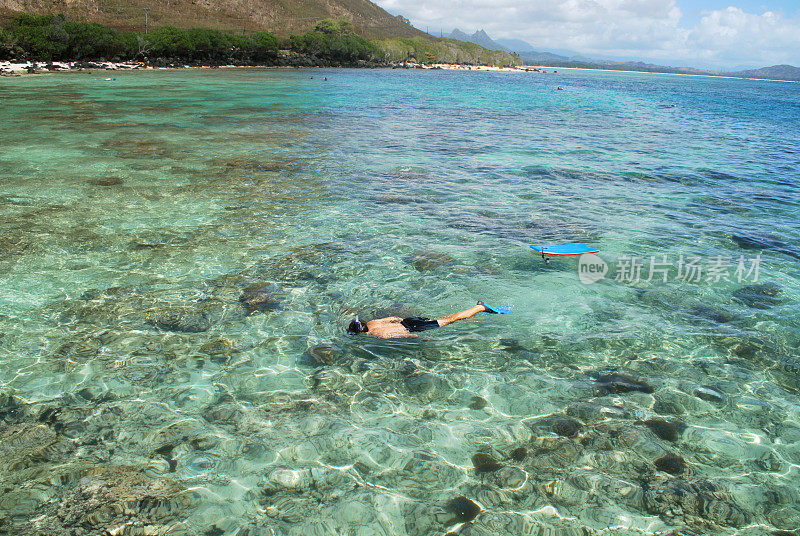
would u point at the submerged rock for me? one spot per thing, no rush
(688, 500)
(114, 500)
(484, 463)
(566, 427)
(106, 181)
(512, 346)
(219, 349)
(425, 261)
(664, 429)
(707, 313)
(519, 454)
(258, 297)
(462, 509)
(12, 408)
(765, 242)
(759, 296)
(324, 354)
(179, 319)
(477, 402)
(224, 413)
(29, 444)
(709, 394)
(672, 464)
(619, 383)
(593, 411)
(426, 385)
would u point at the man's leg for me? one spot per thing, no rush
(461, 315)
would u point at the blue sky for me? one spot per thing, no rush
(703, 33)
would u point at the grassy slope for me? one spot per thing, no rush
(444, 51)
(282, 17)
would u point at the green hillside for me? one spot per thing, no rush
(281, 17)
(444, 51)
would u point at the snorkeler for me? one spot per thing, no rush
(394, 327)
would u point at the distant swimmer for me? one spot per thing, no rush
(394, 327)
(560, 88)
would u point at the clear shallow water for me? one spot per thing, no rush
(181, 251)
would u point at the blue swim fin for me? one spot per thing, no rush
(495, 310)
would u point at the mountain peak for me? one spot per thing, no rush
(479, 38)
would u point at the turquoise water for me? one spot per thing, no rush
(180, 253)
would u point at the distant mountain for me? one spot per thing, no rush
(534, 57)
(530, 55)
(479, 38)
(776, 72)
(516, 45)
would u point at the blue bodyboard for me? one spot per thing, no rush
(563, 250)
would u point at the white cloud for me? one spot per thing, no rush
(731, 34)
(649, 30)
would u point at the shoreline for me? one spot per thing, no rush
(8, 68)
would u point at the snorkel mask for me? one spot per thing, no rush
(356, 326)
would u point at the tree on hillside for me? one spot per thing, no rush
(334, 41)
(333, 27)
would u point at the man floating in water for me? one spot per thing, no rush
(394, 327)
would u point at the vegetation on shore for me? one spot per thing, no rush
(46, 38)
(444, 51)
(54, 38)
(334, 41)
